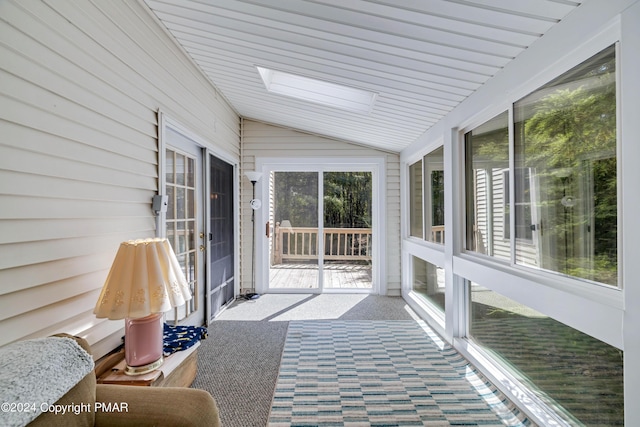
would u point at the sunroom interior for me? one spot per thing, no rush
(492, 146)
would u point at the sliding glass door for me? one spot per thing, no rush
(321, 231)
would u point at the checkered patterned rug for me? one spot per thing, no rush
(381, 373)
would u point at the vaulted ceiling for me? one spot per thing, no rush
(420, 58)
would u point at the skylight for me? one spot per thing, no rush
(318, 91)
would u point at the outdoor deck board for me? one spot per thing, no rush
(305, 276)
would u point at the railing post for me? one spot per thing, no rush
(277, 252)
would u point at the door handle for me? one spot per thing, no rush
(268, 230)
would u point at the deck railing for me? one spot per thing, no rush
(437, 233)
(301, 244)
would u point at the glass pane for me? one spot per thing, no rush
(434, 205)
(169, 174)
(192, 265)
(180, 169)
(181, 233)
(577, 375)
(191, 203)
(415, 199)
(191, 235)
(428, 281)
(347, 229)
(294, 245)
(566, 180)
(180, 203)
(171, 235)
(191, 172)
(171, 203)
(487, 188)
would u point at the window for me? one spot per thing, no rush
(487, 188)
(426, 197)
(565, 146)
(434, 205)
(522, 206)
(318, 91)
(577, 375)
(565, 180)
(415, 199)
(428, 282)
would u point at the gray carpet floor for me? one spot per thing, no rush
(239, 362)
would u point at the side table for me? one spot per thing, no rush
(178, 370)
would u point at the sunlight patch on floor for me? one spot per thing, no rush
(286, 307)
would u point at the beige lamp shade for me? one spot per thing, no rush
(145, 278)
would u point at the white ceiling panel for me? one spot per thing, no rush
(421, 57)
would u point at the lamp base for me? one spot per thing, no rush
(143, 344)
(145, 369)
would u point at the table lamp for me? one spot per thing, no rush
(145, 280)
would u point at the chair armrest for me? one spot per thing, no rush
(154, 406)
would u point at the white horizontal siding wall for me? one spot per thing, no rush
(80, 86)
(264, 140)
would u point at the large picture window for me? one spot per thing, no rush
(565, 141)
(574, 373)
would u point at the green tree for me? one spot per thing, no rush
(569, 141)
(296, 198)
(347, 199)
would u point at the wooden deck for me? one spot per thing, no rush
(305, 276)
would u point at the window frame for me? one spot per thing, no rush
(549, 278)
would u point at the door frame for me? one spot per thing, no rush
(207, 148)
(375, 165)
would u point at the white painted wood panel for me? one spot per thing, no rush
(422, 58)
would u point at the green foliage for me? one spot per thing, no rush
(569, 125)
(296, 198)
(347, 198)
(437, 197)
(568, 140)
